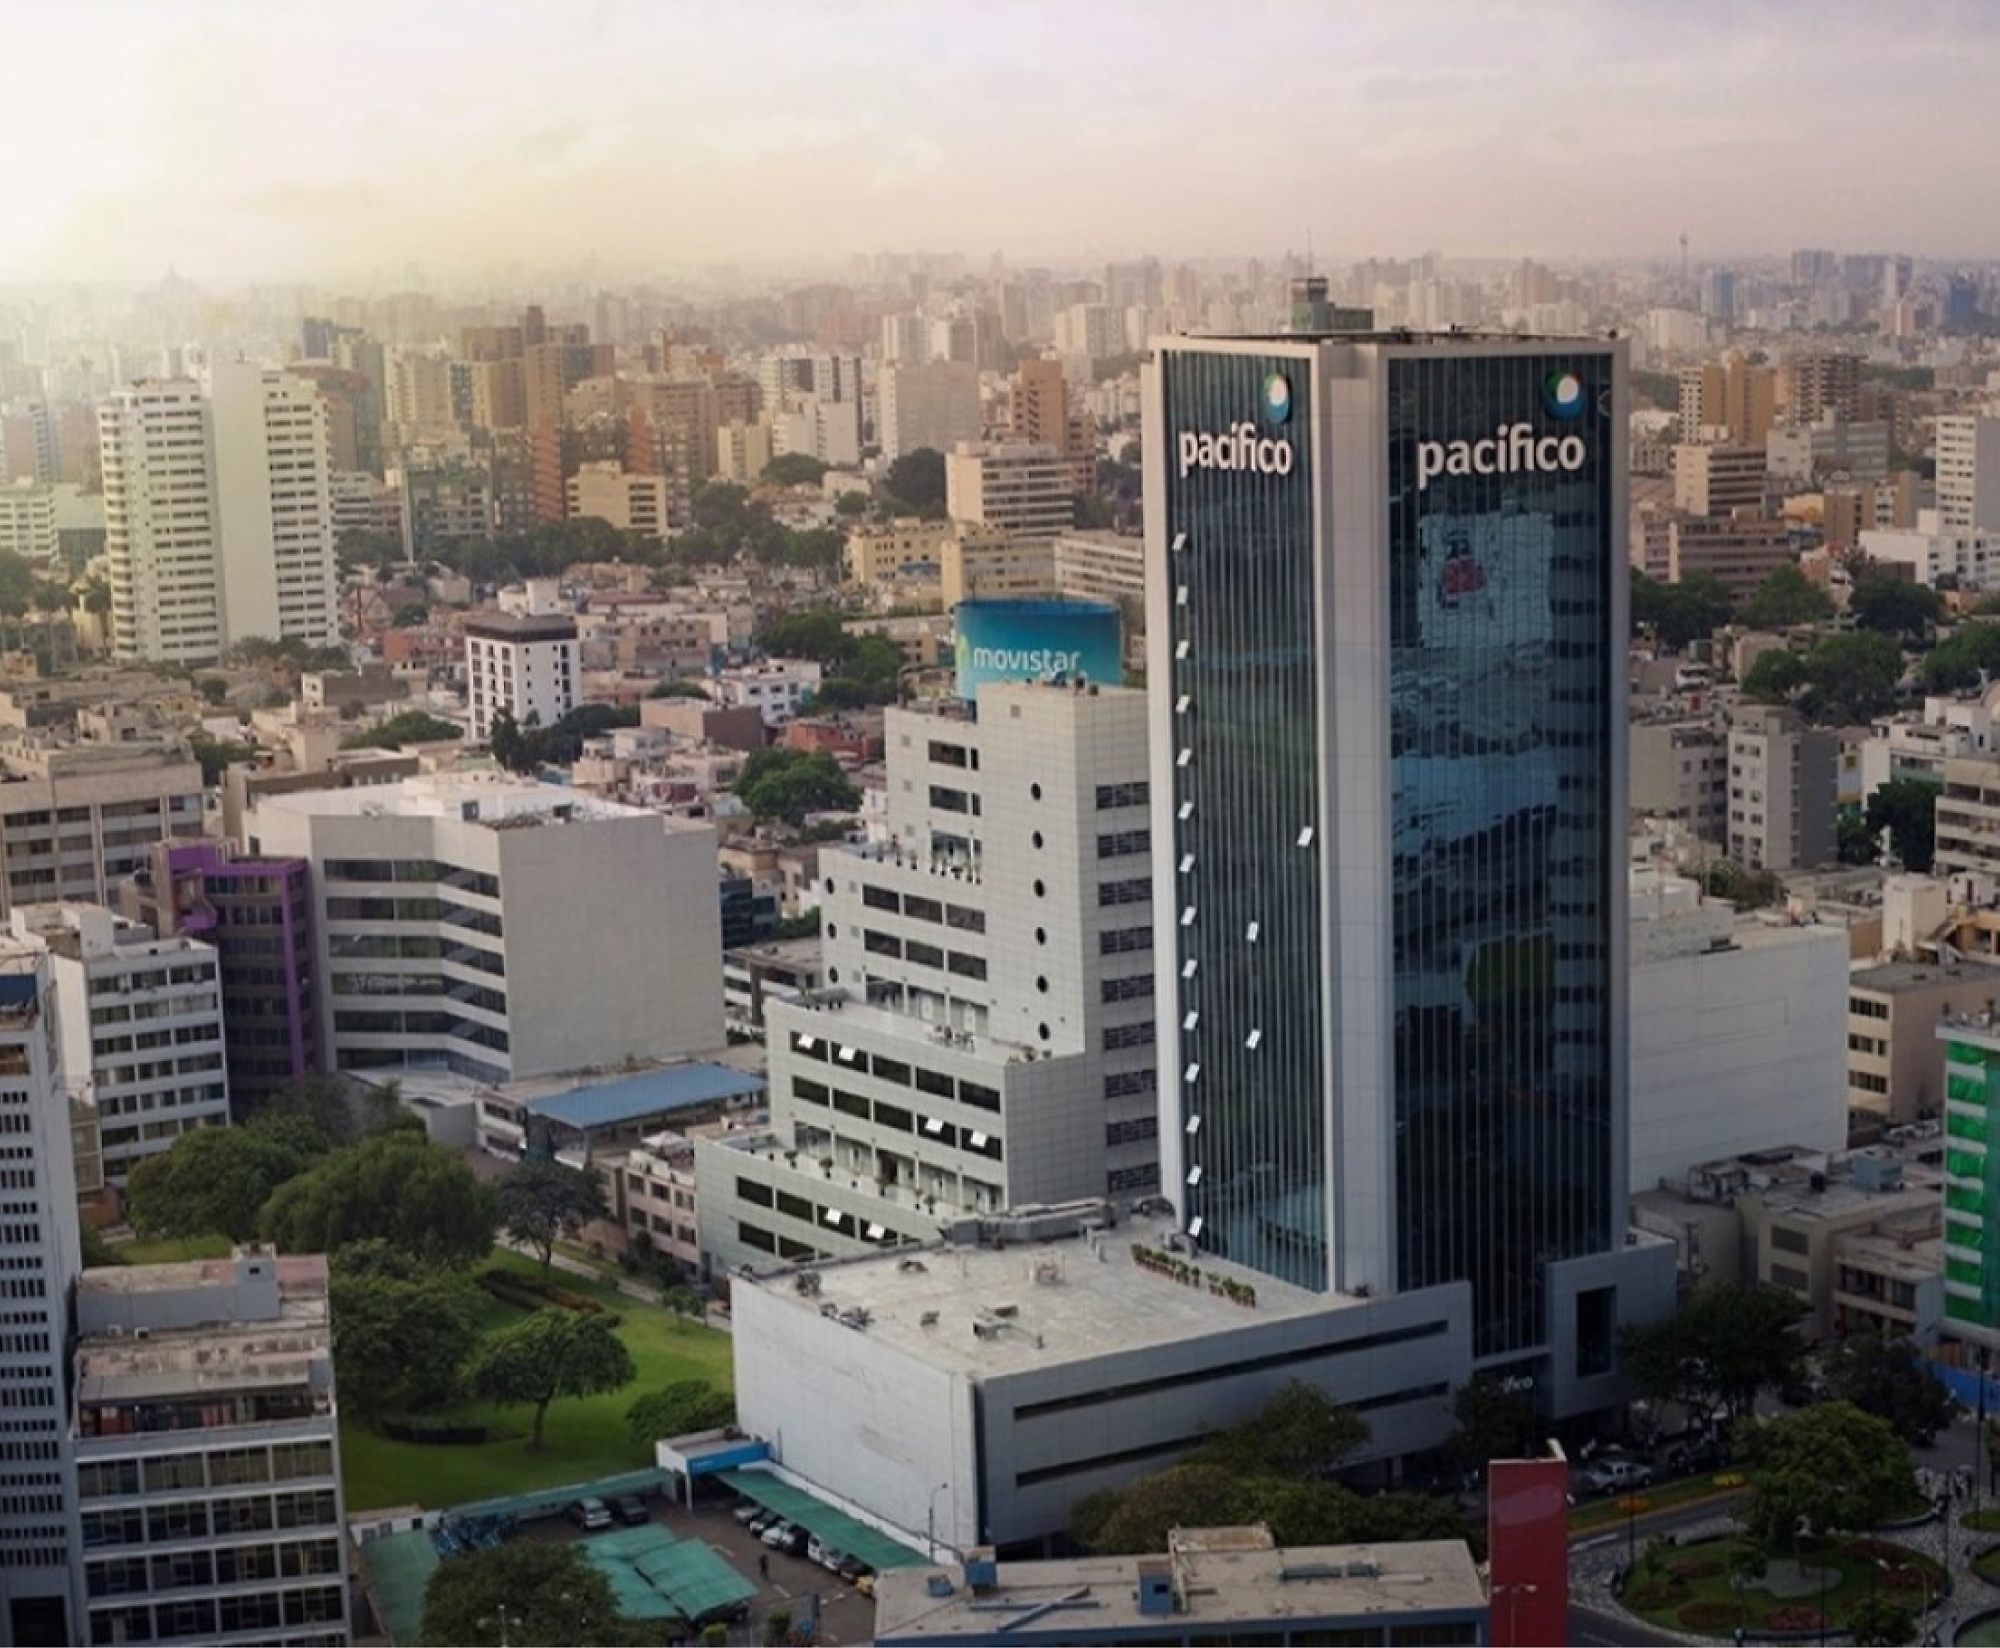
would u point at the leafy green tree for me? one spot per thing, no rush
(1956, 665)
(377, 550)
(398, 1186)
(816, 633)
(1745, 888)
(679, 1410)
(1785, 598)
(1889, 605)
(678, 689)
(218, 754)
(212, 1181)
(849, 505)
(1723, 1346)
(1776, 676)
(1886, 1377)
(1493, 1423)
(1676, 614)
(401, 1330)
(548, 1354)
(794, 469)
(1301, 1432)
(789, 784)
(1185, 1496)
(409, 727)
(1830, 1468)
(1853, 678)
(1907, 809)
(541, 1202)
(509, 744)
(1858, 844)
(916, 482)
(214, 689)
(527, 1590)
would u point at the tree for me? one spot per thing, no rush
(1960, 663)
(509, 744)
(415, 1195)
(1676, 614)
(916, 481)
(410, 727)
(1494, 1422)
(1907, 809)
(1785, 598)
(542, 1201)
(548, 1354)
(1851, 678)
(401, 1330)
(1889, 605)
(1857, 843)
(1830, 1468)
(524, 1591)
(1724, 1345)
(1185, 1496)
(678, 689)
(794, 469)
(1886, 1377)
(212, 1181)
(218, 754)
(1301, 1432)
(789, 784)
(679, 1410)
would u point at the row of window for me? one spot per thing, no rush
(220, 1468)
(917, 952)
(232, 1565)
(885, 1068)
(1137, 794)
(200, 1618)
(204, 1519)
(919, 908)
(974, 1141)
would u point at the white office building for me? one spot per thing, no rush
(141, 1027)
(28, 520)
(1967, 449)
(218, 514)
(934, 404)
(501, 928)
(523, 663)
(207, 1454)
(985, 1039)
(1931, 552)
(1021, 487)
(162, 530)
(279, 575)
(40, 1259)
(1739, 1031)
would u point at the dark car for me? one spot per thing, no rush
(852, 1568)
(794, 1543)
(630, 1509)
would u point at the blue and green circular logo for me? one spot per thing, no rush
(1277, 397)
(1562, 394)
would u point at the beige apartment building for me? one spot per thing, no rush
(1021, 488)
(1741, 552)
(1719, 480)
(1895, 1063)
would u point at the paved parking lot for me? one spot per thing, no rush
(845, 1615)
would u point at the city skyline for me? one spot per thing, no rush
(235, 144)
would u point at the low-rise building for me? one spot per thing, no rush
(1212, 1584)
(783, 970)
(207, 1447)
(1895, 1063)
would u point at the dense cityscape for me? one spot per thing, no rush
(1282, 942)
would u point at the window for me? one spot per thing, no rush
(1787, 1240)
(1136, 891)
(1114, 941)
(1136, 988)
(1123, 795)
(1124, 843)
(1120, 1036)
(880, 898)
(1125, 1084)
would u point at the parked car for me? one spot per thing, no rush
(777, 1533)
(764, 1521)
(831, 1558)
(589, 1514)
(816, 1550)
(1617, 1476)
(794, 1542)
(865, 1584)
(748, 1512)
(854, 1570)
(631, 1510)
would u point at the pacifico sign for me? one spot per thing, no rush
(1513, 448)
(1241, 447)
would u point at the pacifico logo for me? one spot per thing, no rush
(1241, 446)
(1514, 448)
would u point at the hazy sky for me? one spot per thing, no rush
(301, 138)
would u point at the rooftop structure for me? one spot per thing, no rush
(1234, 1583)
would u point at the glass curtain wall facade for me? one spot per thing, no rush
(1506, 857)
(1387, 683)
(1242, 656)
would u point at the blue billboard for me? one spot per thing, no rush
(1035, 640)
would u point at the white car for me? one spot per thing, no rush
(1617, 1476)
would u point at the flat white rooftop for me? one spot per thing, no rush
(496, 799)
(986, 1311)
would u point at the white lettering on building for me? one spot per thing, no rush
(1514, 448)
(1239, 448)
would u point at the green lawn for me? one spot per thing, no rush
(586, 1437)
(173, 1248)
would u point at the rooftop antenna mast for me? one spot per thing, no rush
(1684, 257)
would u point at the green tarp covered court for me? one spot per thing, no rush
(836, 1528)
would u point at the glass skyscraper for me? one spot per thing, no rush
(1386, 609)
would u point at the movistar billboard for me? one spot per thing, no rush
(1033, 640)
